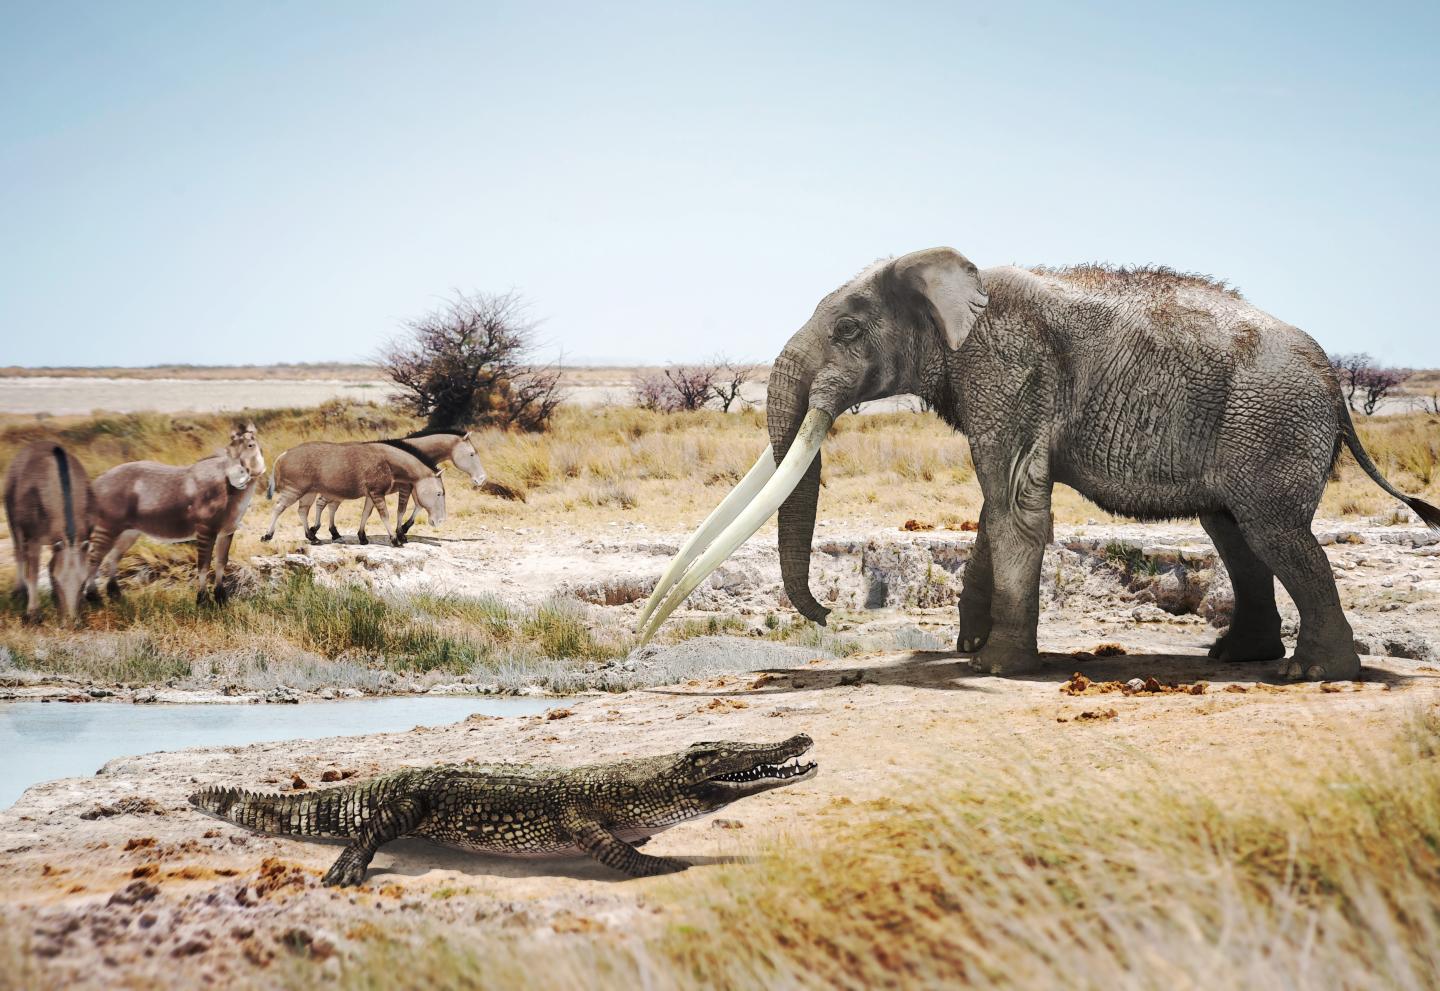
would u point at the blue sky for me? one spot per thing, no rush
(257, 182)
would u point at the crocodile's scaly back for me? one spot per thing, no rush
(602, 810)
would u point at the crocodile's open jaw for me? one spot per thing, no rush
(777, 773)
(763, 768)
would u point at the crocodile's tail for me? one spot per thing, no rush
(1423, 509)
(312, 813)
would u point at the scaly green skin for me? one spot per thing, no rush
(522, 810)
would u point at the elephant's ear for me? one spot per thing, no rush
(950, 284)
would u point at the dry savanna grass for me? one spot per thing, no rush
(594, 467)
(1111, 869)
(669, 469)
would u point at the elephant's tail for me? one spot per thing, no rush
(1423, 509)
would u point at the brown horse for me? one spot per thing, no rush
(369, 470)
(203, 502)
(48, 501)
(439, 447)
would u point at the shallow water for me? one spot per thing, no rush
(40, 742)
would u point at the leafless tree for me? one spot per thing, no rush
(1377, 383)
(468, 364)
(679, 387)
(691, 385)
(1350, 369)
(730, 378)
(652, 392)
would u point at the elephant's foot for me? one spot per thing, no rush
(1317, 665)
(1236, 645)
(334, 534)
(112, 590)
(362, 538)
(1005, 659)
(968, 643)
(974, 627)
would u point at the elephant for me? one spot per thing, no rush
(1156, 394)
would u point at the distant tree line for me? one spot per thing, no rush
(718, 383)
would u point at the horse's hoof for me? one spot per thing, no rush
(364, 539)
(222, 595)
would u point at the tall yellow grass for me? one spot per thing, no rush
(669, 469)
(1035, 872)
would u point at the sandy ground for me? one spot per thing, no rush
(114, 880)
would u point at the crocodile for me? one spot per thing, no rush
(522, 810)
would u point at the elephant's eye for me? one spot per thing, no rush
(847, 329)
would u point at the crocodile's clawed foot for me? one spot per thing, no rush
(655, 866)
(344, 873)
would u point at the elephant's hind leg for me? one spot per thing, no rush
(1254, 633)
(1326, 648)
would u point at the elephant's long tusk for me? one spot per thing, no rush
(720, 517)
(807, 444)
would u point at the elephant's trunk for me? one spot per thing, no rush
(786, 401)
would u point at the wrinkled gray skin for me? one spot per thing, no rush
(48, 503)
(1154, 394)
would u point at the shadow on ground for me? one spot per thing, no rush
(414, 857)
(951, 671)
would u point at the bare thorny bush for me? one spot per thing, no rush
(468, 364)
(691, 387)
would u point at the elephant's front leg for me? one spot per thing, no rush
(1017, 527)
(976, 593)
